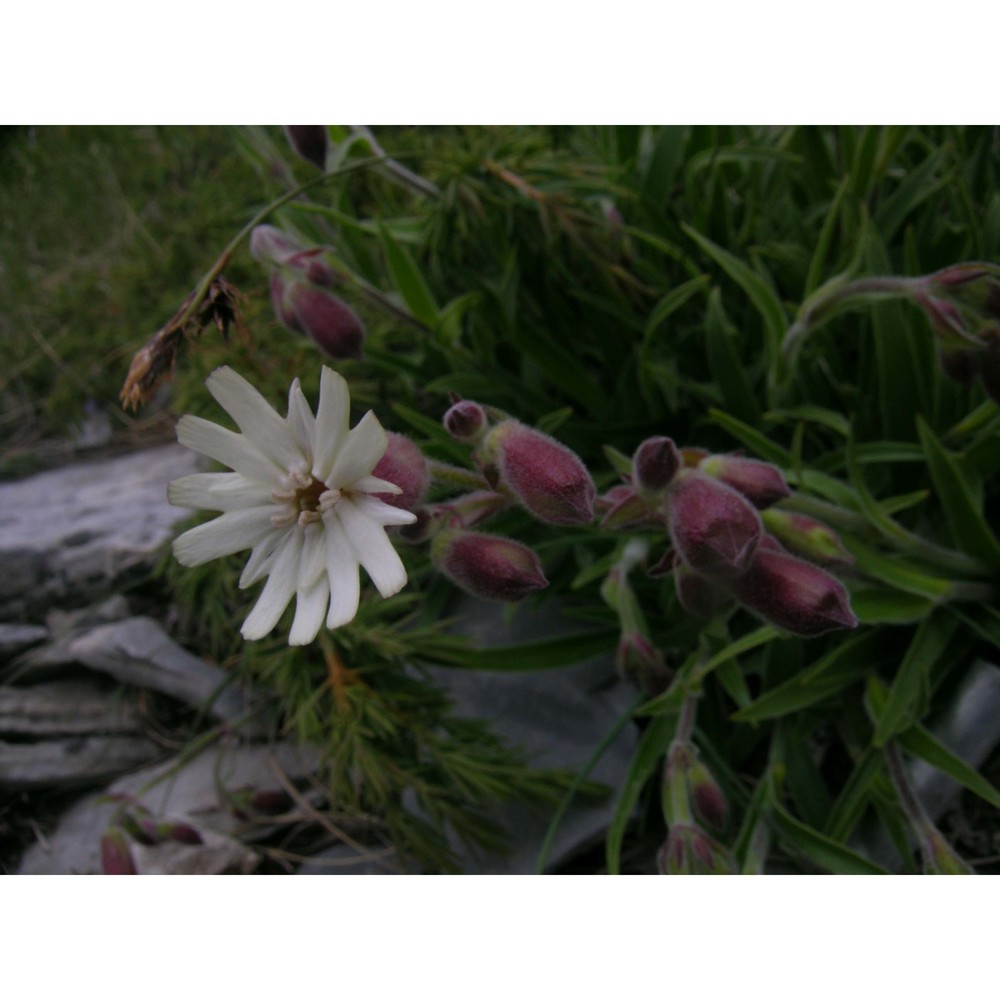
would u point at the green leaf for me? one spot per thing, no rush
(882, 606)
(854, 796)
(896, 573)
(409, 282)
(758, 442)
(817, 264)
(915, 188)
(964, 514)
(546, 654)
(911, 686)
(728, 370)
(836, 422)
(667, 155)
(652, 746)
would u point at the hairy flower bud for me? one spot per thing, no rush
(622, 507)
(636, 658)
(654, 464)
(975, 285)
(546, 477)
(498, 569)
(714, 529)
(472, 508)
(707, 798)
(310, 142)
(331, 324)
(794, 595)
(404, 465)
(760, 482)
(805, 536)
(688, 850)
(697, 594)
(273, 246)
(116, 854)
(466, 421)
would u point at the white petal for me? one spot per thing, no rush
(332, 416)
(313, 555)
(255, 417)
(217, 491)
(360, 453)
(382, 512)
(281, 585)
(342, 570)
(262, 558)
(372, 484)
(310, 607)
(227, 447)
(301, 421)
(229, 533)
(373, 549)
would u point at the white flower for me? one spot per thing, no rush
(299, 496)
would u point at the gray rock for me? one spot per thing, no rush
(66, 708)
(199, 792)
(15, 638)
(73, 762)
(137, 651)
(69, 533)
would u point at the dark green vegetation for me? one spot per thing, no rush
(605, 285)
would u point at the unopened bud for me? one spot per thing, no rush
(313, 267)
(794, 595)
(805, 536)
(473, 508)
(333, 326)
(310, 142)
(714, 529)
(707, 798)
(273, 246)
(282, 305)
(697, 594)
(688, 850)
(654, 464)
(404, 465)
(636, 658)
(466, 421)
(760, 482)
(961, 365)
(975, 285)
(546, 477)
(622, 507)
(498, 569)
(116, 854)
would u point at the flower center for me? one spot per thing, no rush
(308, 500)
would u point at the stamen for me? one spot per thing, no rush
(328, 499)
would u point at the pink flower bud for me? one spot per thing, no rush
(271, 245)
(697, 594)
(714, 529)
(404, 465)
(116, 855)
(473, 508)
(622, 507)
(654, 464)
(636, 658)
(805, 536)
(331, 324)
(466, 421)
(546, 477)
(312, 266)
(760, 482)
(688, 850)
(794, 595)
(282, 305)
(310, 142)
(707, 798)
(975, 285)
(960, 365)
(488, 566)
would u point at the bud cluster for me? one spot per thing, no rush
(301, 279)
(729, 542)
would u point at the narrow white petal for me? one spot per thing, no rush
(229, 533)
(301, 421)
(372, 484)
(310, 607)
(382, 512)
(227, 447)
(255, 416)
(362, 449)
(262, 558)
(281, 585)
(342, 571)
(373, 549)
(217, 491)
(313, 554)
(332, 416)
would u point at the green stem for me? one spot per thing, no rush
(453, 475)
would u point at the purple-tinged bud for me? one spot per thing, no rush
(794, 595)
(714, 529)
(622, 507)
(805, 536)
(688, 850)
(961, 365)
(312, 266)
(707, 798)
(975, 285)
(697, 594)
(654, 464)
(270, 802)
(271, 245)
(403, 464)
(116, 855)
(333, 326)
(466, 421)
(282, 305)
(546, 478)
(760, 482)
(473, 508)
(636, 658)
(310, 142)
(488, 566)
